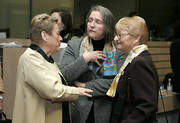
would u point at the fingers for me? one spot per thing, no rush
(88, 95)
(101, 58)
(97, 62)
(85, 92)
(88, 90)
(101, 55)
(98, 55)
(104, 56)
(94, 56)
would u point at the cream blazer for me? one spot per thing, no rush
(39, 90)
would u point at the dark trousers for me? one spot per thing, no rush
(91, 116)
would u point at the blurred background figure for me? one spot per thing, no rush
(67, 32)
(64, 22)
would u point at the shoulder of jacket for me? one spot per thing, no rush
(75, 41)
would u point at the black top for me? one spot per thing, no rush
(38, 49)
(98, 44)
(65, 36)
(65, 107)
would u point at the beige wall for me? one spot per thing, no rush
(15, 14)
(41, 6)
(18, 13)
(3, 11)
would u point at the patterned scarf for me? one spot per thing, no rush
(133, 53)
(110, 64)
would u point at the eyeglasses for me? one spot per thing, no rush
(121, 35)
(96, 21)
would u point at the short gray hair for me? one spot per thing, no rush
(39, 23)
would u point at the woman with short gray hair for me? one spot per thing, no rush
(42, 93)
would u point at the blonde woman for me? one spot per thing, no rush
(135, 88)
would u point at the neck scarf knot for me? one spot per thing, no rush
(133, 53)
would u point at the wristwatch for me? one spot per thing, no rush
(1, 97)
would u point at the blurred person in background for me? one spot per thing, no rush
(64, 22)
(64, 18)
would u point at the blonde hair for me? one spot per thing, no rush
(135, 26)
(39, 23)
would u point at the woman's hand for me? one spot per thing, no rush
(85, 92)
(93, 56)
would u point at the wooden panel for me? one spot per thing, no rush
(160, 53)
(164, 71)
(159, 50)
(161, 57)
(10, 61)
(159, 44)
(162, 64)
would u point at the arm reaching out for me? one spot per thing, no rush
(85, 92)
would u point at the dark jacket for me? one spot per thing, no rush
(136, 98)
(74, 68)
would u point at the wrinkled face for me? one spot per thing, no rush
(95, 26)
(125, 41)
(54, 40)
(60, 23)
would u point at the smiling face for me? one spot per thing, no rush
(125, 42)
(95, 26)
(130, 32)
